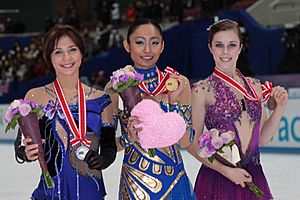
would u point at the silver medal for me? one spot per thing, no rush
(81, 152)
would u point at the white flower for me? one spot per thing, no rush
(15, 104)
(24, 109)
(128, 68)
(214, 132)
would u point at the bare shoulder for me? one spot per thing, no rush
(200, 87)
(255, 83)
(36, 95)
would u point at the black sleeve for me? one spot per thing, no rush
(20, 154)
(108, 147)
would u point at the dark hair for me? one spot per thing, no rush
(139, 22)
(224, 25)
(54, 34)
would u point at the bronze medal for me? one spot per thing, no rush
(171, 84)
(271, 103)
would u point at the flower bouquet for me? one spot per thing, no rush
(220, 145)
(26, 114)
(125, 81)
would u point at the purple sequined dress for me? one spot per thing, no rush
(222, 115)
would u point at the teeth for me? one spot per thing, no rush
(68, 66)
(225, 59)
(147, 57)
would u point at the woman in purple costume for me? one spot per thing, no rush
(217, 104)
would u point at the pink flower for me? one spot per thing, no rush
(227, 136)
(206, 152)
(24, 109)
(217, 142)
(8, 116)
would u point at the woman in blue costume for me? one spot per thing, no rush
(218, 103)
(75, 176)
(162, 176)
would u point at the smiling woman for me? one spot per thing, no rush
(77, 123)
(162, 176)
(228, 101)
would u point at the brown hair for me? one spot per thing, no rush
(224, 25)
(54, 34)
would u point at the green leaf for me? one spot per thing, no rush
(111, 90)
(211, 159)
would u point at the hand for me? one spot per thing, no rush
(132, 128)
(182, 84)
(281, 97)
(94, 160)
(238, 175)
(31, 150)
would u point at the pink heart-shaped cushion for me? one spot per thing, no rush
(160, 129)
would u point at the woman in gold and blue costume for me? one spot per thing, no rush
(162, 176)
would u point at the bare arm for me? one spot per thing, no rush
(199, 95)
(270, 125)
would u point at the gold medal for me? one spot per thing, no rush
(171, 84)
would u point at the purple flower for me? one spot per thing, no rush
(227, 136)
(204, 139)
(124, 78)
(206, 152)
(14, 111)
(24, 109)
(139, 76)
(24, 101)
(217, 142)
(8, 116)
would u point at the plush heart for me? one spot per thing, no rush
(159, 129)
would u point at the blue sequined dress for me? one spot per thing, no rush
(160, 177)
(72, 177)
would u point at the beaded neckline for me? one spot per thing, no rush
(150, 77)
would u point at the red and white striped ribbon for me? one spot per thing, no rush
(79, 134)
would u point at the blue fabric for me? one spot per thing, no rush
(69, 184)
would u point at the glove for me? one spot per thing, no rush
(108, 149)
(94, 160)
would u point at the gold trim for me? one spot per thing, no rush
(145, 154)
(137, 191)
(156, 168)
(172, 185)
(144, 164)
(133, 158)
(151, 183)
(169, 170)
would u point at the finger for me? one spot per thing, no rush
(26, 141)
(242, 184)
(43, 141)
(31, 147)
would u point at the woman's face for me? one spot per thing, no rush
(66, 57)
(145, 46)
(225, 48)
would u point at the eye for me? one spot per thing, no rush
(232, 45)
(156, 42)
(73, 49)
(219, 45)
(57, 52)
(139, 42)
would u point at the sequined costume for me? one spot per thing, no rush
(160, 177)
(72, 177)
(222, 115)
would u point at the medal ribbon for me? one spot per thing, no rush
(236, 85)
(79, 134)
(266, 90)
(161, 82)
